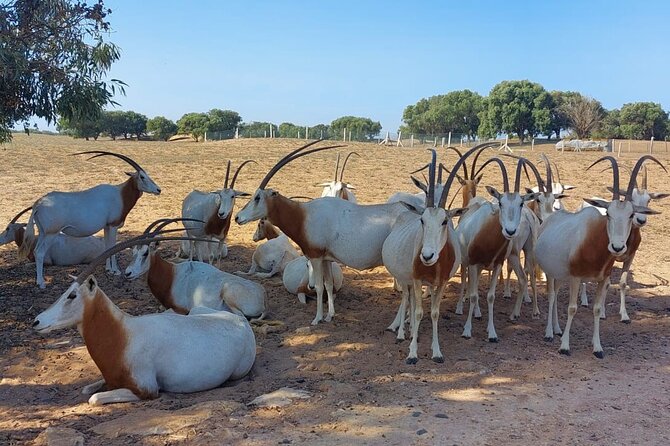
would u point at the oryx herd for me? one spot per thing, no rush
(204, 337)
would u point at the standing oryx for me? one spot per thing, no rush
(583, 247)
(423, 249)
(491, 234)
(326, 229)
(215, 209)
(640, 197)
(83, 213)
(338, 188)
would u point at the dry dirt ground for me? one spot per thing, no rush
(518, 391)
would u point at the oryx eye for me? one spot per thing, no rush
(72, 295)
(257, 198)
(445, 222)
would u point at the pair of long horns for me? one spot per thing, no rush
(145, 238)
(158, 225)
(99, 153)
(295, 154)
(616, 191)
(17, 216)
(232, 183)
(337, 166)
(520, 165)
(473, 171)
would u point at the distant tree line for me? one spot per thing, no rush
(527, 110)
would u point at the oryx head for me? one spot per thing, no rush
(257, 207)
(68, 310)
(641, 197)
(13, 229)
(225, 198)
(142, 178)
(621, 213)
(338, 188)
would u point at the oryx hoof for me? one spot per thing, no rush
(493, 340)
(391, 329)
(625, 321)
(479, 318)
(584, 305)
(438, 359)
(599, 355)
(411, 361)
(548, 339)
(536, 315)
(399, 340)
(316, 321)
(466, 336)
(564, 351)
(328, 318)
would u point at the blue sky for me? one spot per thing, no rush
(311, 62)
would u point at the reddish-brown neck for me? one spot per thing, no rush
(160, 278)
(130, 193)
(289, 216)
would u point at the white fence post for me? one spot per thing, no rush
(306, 132)
(449, 142)
(651, 145)
(237, 132)
(344, 135)
(443, 141)
(411, 140)
(399, 142)
(532, 144)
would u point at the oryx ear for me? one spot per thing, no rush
(274, 193)
(349, 186)
(597, 203)
(241, 194)
(460, 180)
(560, 196)
(493, 192)
(322, 184)
(529, 190)
(419, 184)
(644, 210)
(530, 196)
(130, 174)
(412, 208)
(610, 189)
(658, 195)
(72, 276)
(457, 212)
(91, 283)
(478, 179)
(568, 187)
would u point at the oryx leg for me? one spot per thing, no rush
(113, 396)
(417, 303)
(111, 264)
(623, 285)
(330, 289)
(598, 308)
(42, 246)
(463, 287)
(584, 299)
(522, 294)
(317, 271)
(530, 267)
(573, 290)
(276, 266)
(399, 321)
(553, 326)
(490, 299)
(507, 284)
(435, 300)
(473, 293)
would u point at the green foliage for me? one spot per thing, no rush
(583, 115)
(161, 128)
(194, 124)
(257, 130)
(289, 130)
(114, 124)
(520, 107)
(320, 131)
(54, 58)
(457, 112)
(222, 120)
(610, 126)
(82, 128)
(642, 120)
(137, 123)
(361, 129)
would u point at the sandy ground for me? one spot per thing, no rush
(518, 391)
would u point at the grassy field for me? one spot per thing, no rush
(518, 391)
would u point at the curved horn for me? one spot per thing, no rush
(17, 216)
(140, 240)
(225, 183)
(452, 175)
(483, 147)
(503, 171)
(465, 168)
(337, 166)
(558, 173)
(345, 164)
(615, 174)
(292, 156)
(636, 170)
(430, 196)
(168, 221)
(105, 153)
(232, 183)
(295, 197)
(538, 176)
(550, 181)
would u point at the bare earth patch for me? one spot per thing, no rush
(518, 391)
